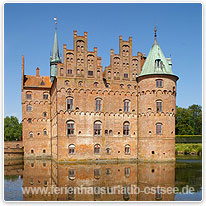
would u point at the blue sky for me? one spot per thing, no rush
(29, 30)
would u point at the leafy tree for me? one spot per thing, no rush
(196, 115)
(12, 129)
(189, 121)
(183, 122)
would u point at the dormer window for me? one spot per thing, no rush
(158, 64)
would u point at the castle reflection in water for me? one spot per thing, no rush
(38, 173)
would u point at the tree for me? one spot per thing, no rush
(12, 129)
(183, 122)
(189, 121)
(196, 115)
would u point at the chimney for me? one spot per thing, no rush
(37, 71)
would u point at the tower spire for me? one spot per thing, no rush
(55, 58)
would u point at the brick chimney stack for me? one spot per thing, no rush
(37, 71)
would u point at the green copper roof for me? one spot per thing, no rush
(54, 59)
(55, 54)
(156, 63)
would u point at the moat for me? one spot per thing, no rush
(185, 173)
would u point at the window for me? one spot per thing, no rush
(96, 149)
(126, 105)
(71, 174)
(110, 132)
(108, 171)
(127, 172)
(45, 132)
(97, 128)
(108, 150)
(70, 128)
(31, 134)
(90, 73)
(127, 149)
(69, 71)
(44, 114)
(28, 95)
(44, 151)
(129, 86)
(96, 84)
(80, 83)
(159, 128)
(96, 173)
(29, 120)
(98, 104)
(32, 151)
(158, 194)
(28, 108)
(71, 149)
(158, 64)
(106, 132)
(61, 71)
(126, 128)
(159, 105)
(69, 104)
(159, 83)
(122, 86)
(125, 76)
(45, 96)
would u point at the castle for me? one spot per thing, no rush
(83, 113)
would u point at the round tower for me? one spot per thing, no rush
(156, 108)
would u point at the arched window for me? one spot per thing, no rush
(71, 174)
(127, 149)
(122, 86)
(96, 84)
(127, 172)
(98, 104)
(29, 120)
(158, 64)
(108, 150)
(44, 114)
(158, 194)
(159, 83)
(97, 128)
(28, 95)
(110, 132)
(45, 132)
(71, 149)
(96, 173)
(28, 108)
(70, 128)
(126, 105)
(44, 151)
(126, 128)
(159, 128)
(106, 132)
(31, 135)
(70, 103)
(97, 149)
(159, 105)
(45, 96)
(69, 71)
(32, 151)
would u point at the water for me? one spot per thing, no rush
(104, 182)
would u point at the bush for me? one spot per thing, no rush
(188, 139)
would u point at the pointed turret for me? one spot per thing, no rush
(156, 107)
(54, 59)
(156, 63)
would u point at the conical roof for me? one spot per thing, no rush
(55, 54)
(156, 63)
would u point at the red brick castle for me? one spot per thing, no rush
(83, 113)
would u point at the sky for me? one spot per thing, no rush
(29, 31)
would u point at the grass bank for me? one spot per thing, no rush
(188, 148)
